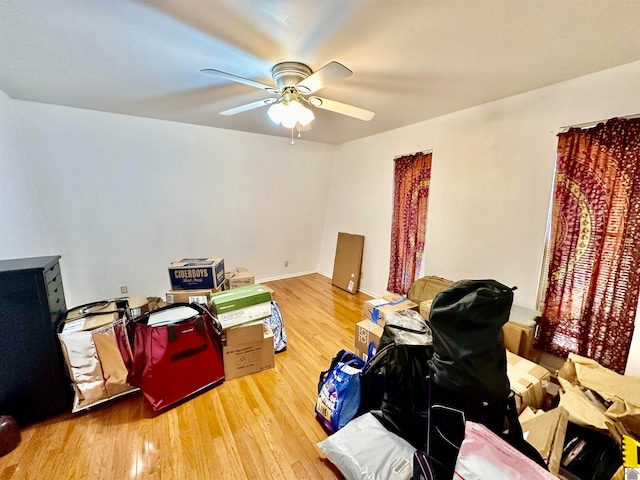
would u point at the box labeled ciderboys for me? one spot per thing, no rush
(197, 273)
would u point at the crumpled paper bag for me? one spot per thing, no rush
(622, 393)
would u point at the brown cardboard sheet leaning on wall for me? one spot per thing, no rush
(348, 261)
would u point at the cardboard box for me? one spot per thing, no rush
(139, 305)
(546, 432)
(197, 274)
(239, 277)
(347, 262)
(241, 305)
(518, 339)
(190, 296)
(376, 309)
(246, 333)
(367, 332)
(528, 381)
(271, 291)
(244, 359)
(520, 331)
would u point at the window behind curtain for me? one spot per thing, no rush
(412, 174)
(593, 277)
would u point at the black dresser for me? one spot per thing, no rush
(33, 381)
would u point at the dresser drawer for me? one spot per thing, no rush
(52, 274)
(55, 285)
(57, 305)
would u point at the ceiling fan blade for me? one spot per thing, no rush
(248, 106)
(303, 128)
(343, 108)
(331, 72)
(235, 78)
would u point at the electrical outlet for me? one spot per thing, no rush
(124, 289)
(286, 263)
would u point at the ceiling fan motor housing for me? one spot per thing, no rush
(289, 74)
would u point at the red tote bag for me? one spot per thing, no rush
(177, 352)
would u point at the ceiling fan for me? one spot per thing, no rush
(296, 83)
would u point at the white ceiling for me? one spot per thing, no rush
(412, 59)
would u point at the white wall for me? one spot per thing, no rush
(120, 197)
(22, 230)
(491, 183)
(124, 196)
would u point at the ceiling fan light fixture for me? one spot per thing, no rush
(290, 113)
(276, 112)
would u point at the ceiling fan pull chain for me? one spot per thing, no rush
(292, 142)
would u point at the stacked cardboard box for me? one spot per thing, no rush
(247, 349)
(197, 274)
(190, 296)
(193, 280)
(528, 381)
(241, 305)
(238, 277)
(139, 305)
(367, 338)
(248, 342)
(377, 308)
(520, 330)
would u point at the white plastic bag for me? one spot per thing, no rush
(364, 450)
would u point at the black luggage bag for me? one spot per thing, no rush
(469, 372)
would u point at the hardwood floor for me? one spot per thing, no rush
(260, 426)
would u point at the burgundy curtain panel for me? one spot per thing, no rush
(593, 279)
(412, 174)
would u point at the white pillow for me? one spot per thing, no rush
(364, 450)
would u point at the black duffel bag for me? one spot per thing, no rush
(469, 353)
(395, 380)
(469, 371)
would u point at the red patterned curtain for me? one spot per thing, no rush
(412, 174)
(594, 277)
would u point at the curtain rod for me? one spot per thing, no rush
(593, 124)
(413, 153)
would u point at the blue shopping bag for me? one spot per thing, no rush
(339, 391)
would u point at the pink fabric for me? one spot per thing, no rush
(412, 175)
(485, 455)
(594, 275)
